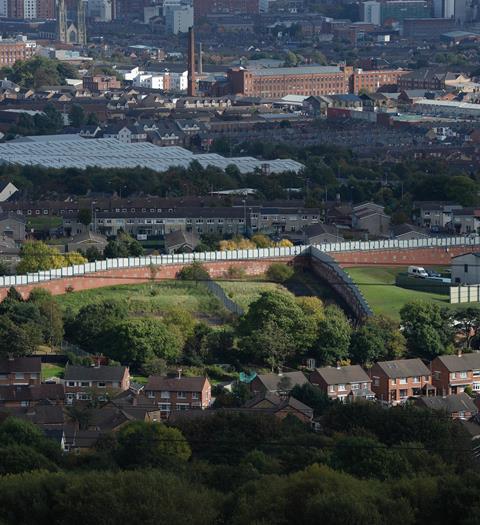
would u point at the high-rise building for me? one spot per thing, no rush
(179, 19)
(379, 13)
(100, 10)
(13, 49)
(72, 31)
(371, 12)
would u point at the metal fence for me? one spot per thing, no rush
(234, 255)
(220, 294)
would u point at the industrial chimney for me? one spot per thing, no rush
(191, 89)
(200, 59)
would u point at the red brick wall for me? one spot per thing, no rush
(419, 256)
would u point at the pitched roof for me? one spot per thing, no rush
(455, 363)
(402, 229)
(20, 364)
(272, 381)
(19, 393)
(453, 403)
(176, 384)
(94, 373)
(404, 368)
(278, 403)
(180, 237)
(343, 375)
(320, 229)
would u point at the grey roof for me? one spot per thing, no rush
(455, 363)
(94, 373)
(304, 70)
(343, 375)
(402, 229)
(278, 403)
(404, 368)
(321, 229)
(180, 237)
(452, 403)
(21, 364)
(176, 384)
(271, 381)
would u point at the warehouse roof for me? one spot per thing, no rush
(305, 70)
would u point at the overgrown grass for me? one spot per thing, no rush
(154, 299)
(246, 292)
(378, 288)
(52, 370)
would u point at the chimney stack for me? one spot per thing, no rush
(191, 89)
(200, 59)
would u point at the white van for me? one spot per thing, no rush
(417, 271)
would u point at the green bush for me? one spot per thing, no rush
(279, 272)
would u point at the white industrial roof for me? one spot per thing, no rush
(110, 153)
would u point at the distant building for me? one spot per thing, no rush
(407, 232)
(457, 406)
(12, 226)
(277, 383)
(380, 13)
(466, 269)
(451, 374)
(371, 218)
(101, 83)
(371, 81)
(14, 49)
(20, 371)
(179, 19)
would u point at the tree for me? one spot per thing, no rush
(279, 272)
(135, 341)
(36, 255)
(85, 216)
(311, 307)
(467, 322)
(275, 328)
(262, 241)
(76, 116)
(17, 340)
(88, 328)
(15, 459)
(142, 444)
(379, 338)
(93, 254)
(426, 329)
(92, 120)
(52, 325)
(72, 258)
(312, 397)
(193, 272)
(334, 336)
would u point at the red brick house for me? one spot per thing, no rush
(277, 383)
(20, 371)
(83, 382)
(14, 396)
(343, 382)
(452, 373)
(279, 406)
(457, 406)
(179, 393)
(396, 381)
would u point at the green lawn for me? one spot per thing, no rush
(51, 370)
(245, 292)
(378, 288)
(149, 298)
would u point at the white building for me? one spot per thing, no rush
(100, 10)
(131, 73)
(178, 81)
(29, 9)
(3, 8)
(150, 81)
(466, 269)
(179, 19)
(372, 12)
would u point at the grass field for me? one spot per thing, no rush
(245, 292)
(51, 370)
(149, 298)
(378, 288)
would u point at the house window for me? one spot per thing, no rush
(465, 268)
(83, 397)
(403, 394)
(376, 382)
(71, 383)
(331, 388)
(463, 375)
(84, 383)
(476, 373)
(355, 386)
(182, 395)
(150, 394)
(403, 380)
(101, 385)
(476, 386)
(341, 388)
(24, 404)
(165, 394)
(164, 407)
(3, 376)
(453, 375)
(181, 406)
(394, 381)
(195, 395)
(416, 379)
(19, 375)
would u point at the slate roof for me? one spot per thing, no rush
(180, 238)
(453, 403)
(20, 393)
(320, 229)
(455, 363)
(402, 229)
(176, 384)
(278, 403)
(271, 381)
(94, 373)
(343, 375)
(404, 368)
(21, 364)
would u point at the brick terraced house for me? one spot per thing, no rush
(20, 371)
(82, 382)
(179, 393)
(451, 374)
(396, 381)
(343, 382)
